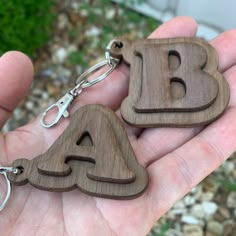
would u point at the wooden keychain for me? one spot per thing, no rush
(173, 82)
(93, 154)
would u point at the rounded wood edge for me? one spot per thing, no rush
(180, 119)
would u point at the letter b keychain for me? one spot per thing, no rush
(173, 83)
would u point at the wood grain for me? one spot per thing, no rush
(173, 82)
(93, 154)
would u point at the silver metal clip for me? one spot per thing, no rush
(112, 60)
(4, 171)
(81, 83)
(62, 105)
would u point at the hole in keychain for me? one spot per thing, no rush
(174, 60)
(20, 170)
(177, 88)
(85, 140)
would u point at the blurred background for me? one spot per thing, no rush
(66, 37)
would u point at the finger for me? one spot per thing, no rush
(16, 73)
(174, 175)
(157, 142)
(226, 49)
(230, 76)
(181, 26)
(109, 92)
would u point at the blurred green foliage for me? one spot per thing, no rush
(162, 230)
(229, 185)
(226, 181)
(24, 25)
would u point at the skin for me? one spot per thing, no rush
(174, 166)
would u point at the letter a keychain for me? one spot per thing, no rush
(173, 83)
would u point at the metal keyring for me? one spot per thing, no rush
(4, 171)
(8, 191)
(82, 80)
(111, 61)
(81, 83)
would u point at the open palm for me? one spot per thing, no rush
(176, 159)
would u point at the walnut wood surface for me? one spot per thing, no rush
(93, 154)
(173, 82)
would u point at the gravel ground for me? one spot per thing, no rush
(210, 208)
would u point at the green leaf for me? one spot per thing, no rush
(76, 58)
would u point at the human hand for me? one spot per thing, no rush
(176, 158)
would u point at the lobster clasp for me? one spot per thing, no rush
(62, 105)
